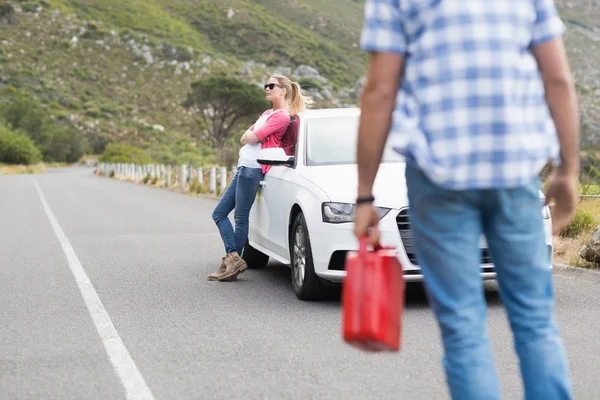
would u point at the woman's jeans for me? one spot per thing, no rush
(447, 226)
(239, 196)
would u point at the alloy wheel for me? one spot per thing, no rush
(299, 256)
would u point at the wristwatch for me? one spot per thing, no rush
(365, 200)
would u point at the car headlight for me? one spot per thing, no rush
(338, 213)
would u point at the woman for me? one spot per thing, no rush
(288, 99)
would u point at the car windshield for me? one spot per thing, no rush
(332, 141)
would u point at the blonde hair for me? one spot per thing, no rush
(295, 96)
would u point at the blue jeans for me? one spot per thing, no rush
(447, 226)
(239, 196)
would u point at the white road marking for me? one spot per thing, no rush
(127, 371)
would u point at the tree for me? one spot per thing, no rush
(224, 103)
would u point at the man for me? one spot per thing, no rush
(481, 97)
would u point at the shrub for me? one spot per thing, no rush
(162, 155)
(16, 148)
(29, 7)
(58, 142)
(66, 145)
(190, 158)
(124, 153)
(24, 113)
(308, 83)
(582, 222)
(7, 13)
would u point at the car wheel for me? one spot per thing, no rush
(254, 258)
(307, 285)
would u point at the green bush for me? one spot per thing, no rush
(189, 158)
(66, 145)
(124, 153)
(7, 13)
(58, 142)
(16, 148)
(308, 83)
(24, 113)
(29, 7)
(162, 154)
(582, 222)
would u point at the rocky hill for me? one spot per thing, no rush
(582, 18)
(119, 70)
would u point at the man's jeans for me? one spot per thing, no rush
(447, 226)
(239, 195)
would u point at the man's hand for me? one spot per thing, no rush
(563, 190)
(366, 221)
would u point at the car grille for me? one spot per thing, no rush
(406, 234)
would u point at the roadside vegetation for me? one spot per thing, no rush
(569, 245)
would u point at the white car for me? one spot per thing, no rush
(303, 213)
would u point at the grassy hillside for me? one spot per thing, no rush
(119, 70)
(269, 31)
(582, 18)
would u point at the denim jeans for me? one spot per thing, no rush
(447, 226)
(239, 196)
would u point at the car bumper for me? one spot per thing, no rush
(331, 243)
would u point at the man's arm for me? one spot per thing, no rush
(562, 100)
(377, 104)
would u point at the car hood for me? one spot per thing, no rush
(340, 183)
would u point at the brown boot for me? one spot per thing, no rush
(216, 275)
(234, 265)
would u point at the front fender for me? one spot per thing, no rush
(307, 201)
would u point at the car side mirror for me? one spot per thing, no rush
(274, 156)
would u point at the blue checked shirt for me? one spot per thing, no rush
(471, 111)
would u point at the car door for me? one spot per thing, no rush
(278, 192)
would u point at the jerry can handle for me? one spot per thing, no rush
(364, 244)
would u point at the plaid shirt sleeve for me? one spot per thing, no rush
(383, 28)
(548, 24)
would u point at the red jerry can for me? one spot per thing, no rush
(373, 299)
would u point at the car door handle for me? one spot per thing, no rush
(263, 183)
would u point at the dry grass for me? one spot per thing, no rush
(566, 250)
(22, 169)
(58, 165)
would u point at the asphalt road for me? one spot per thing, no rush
(103, 295)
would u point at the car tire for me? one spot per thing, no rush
(307, 285)
(254, 258)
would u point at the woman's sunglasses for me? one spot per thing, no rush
(271, 86)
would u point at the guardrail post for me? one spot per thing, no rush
(183, 178)
(213, 180)
(223, 175)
